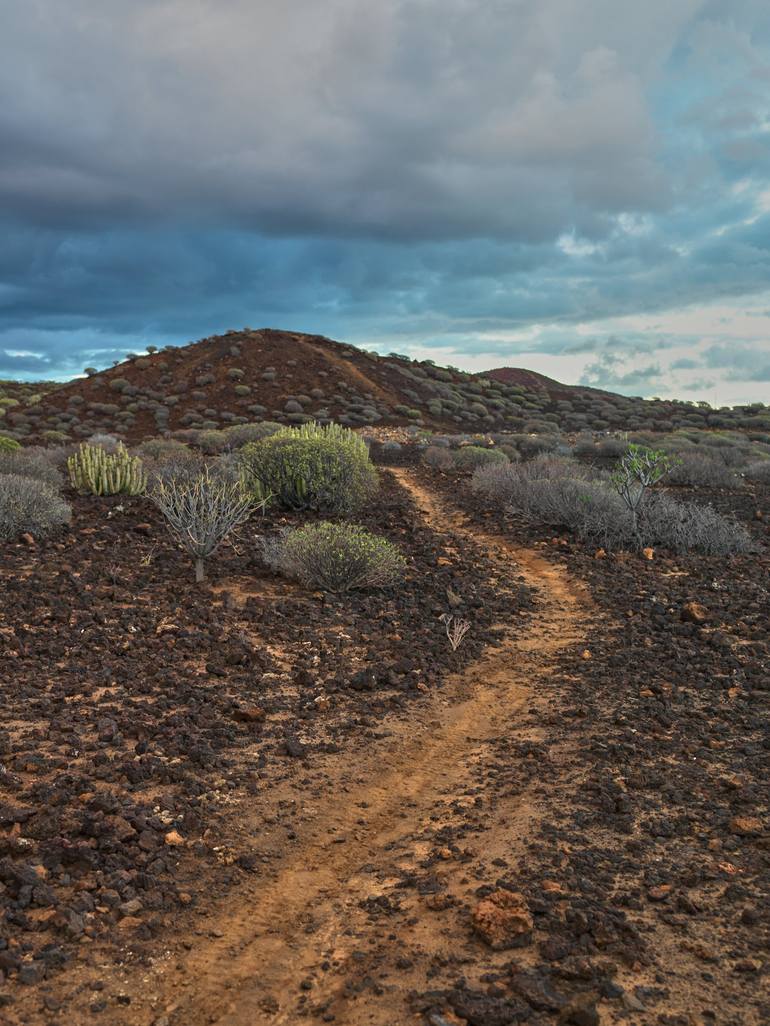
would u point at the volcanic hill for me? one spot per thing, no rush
(290, 377)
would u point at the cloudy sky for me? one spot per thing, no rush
(580, 187)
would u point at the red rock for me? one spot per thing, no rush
(503, 920)
(693, 612)
(746, 826)
(659, 893)
(249, 714)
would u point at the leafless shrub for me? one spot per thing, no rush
(507, 484)
(691, 527)
(702, 470)
(597, 515)
(202, 511)
(456, 629)
(438, 457)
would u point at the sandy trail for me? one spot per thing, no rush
(310, 923)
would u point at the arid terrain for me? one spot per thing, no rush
(249, 801)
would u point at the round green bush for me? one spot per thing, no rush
(314, 467)
(27, 505)
(469, 457)
(8, 444)
(335, 557)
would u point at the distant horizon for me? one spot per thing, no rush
(579, 189)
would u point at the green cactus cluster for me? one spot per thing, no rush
(98, 472)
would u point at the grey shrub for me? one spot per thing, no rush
(27, 505)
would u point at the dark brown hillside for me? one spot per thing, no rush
(290, 377)
(533, 381)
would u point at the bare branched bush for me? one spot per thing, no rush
(509, 484)
(170, 460)
(456, 629)
(202, 511)
(701, 469)
(31, 506)
(691, 527)
(438, 457)
(110, 443)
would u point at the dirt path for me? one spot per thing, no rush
(336, 930)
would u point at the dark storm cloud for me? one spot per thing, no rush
(436, 170)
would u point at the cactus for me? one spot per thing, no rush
(95, 471)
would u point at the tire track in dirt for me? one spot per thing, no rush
(309, 922)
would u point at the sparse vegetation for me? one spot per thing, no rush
(561, 493)
(30, 506)
(335, 557)
(139, 703)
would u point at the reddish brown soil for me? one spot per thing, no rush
(589, 747)
(533, 381)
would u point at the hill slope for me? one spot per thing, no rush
(290, 377)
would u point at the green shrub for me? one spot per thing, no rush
(8, 444)
(335, 557)
(98, 472)
(469, 457)
(313, 467)
(160, 448)
(27, 505)
(212, 441)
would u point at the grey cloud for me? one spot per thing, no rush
(608, 372)
(424, 120)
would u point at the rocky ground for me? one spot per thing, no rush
(247, 804)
